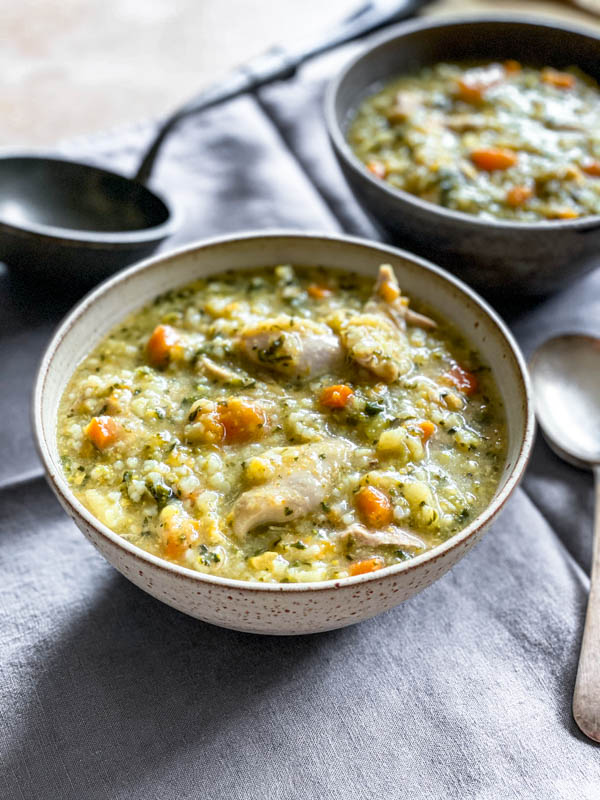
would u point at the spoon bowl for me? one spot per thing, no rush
(566, 384)
(60, 218)
(566, 379)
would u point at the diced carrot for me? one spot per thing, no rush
(179, 533)
(493, 158)
(160, 345)
(471, 92)
(592, 168)
(102, 432)
(561, 80)
(318, 292)
(428, 429)
(473, 84)
(336, 396)
(511, 66)
(374, 507)
(242, 420)
(365, 565)
(175, 546)
(464, 380)
(377, 168)
(517, 195)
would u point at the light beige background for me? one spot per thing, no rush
(71, 67)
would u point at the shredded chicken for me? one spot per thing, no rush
(221, 373)
(392, 535)
(302, 477)
(372, 341)
(292, 346)
(388, 299)
(376, 339)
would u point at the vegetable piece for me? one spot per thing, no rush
(365, 565)
(490, 159)
(428, 429)
(336, 396)
(565, 213)
(474, 83)
(511, 66)
(592, 168)
(102, 432)
(518, 195)
(374, 507)
(471, 92)
(318, 292)
(179, 532)
(160, 345)
(242, 420)
(560, 80)
(464, 380)
(377, 168)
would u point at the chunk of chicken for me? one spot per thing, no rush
(376, 339)
(392, 535)
(221, 373)
(295, 347)
(375, 343)
(302, 477)
(388, 299)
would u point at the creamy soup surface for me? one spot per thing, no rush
(283, 424)
(498, 140)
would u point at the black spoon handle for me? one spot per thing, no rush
(279, 64)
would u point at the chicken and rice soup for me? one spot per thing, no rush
(283, 424)
(496, 140)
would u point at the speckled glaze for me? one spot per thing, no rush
(496, 257)
(284, 608)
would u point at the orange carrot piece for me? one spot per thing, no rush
(428, 429)
(336, 396)
(374, 506)
(493, 158)
(592, 168)
(518, 195)
(318, 292)
(175, 546)
(242, 421)
(160, 344)
(561, 80)
(102, 432)
(473, 84)
(464, 380)
(377, 168)
(471, 92)
(511, 66)
(365, 565)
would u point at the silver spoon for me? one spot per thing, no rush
(566, 383)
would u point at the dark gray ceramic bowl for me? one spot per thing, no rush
(498, 257)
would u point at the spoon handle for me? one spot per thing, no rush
(279, 63)
(586, 698)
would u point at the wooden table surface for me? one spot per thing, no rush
(72, 67)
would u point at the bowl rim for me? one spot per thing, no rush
(69, 501)
(397, 33)
(74, 237)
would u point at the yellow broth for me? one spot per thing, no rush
(495, 140)
(205, 430)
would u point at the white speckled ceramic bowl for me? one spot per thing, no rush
(284, 608)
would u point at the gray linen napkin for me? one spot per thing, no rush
(462, 692)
